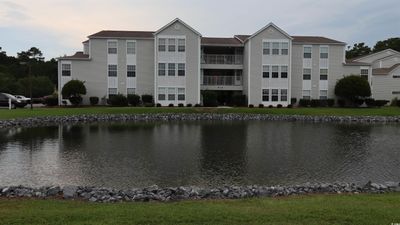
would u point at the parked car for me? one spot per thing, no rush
(23, 98)
(4, 101)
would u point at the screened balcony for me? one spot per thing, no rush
(222, 59)
(222, 80)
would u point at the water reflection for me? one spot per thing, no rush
(198, 153)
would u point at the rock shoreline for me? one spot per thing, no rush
(55, 120)
(155, 193)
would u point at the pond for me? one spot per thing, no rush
(212, 153)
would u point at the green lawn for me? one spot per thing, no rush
(317, 209)
(26, 112)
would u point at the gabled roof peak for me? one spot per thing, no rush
(180, 21)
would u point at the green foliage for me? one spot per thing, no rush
(239, 100)
(147, 99)
(392, 43)
(134, 100)
(352, 88)
(73, 90)
(41, 86)
(210, 99)
(358, 49)
(94, 100)
(119, 100)
(304, 102)
(51, 100)
(380, 103)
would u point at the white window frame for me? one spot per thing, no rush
(272, 71)
(170, 70)
(164, 70)
(181, 48)
(304, 51)
(277, 49)
(266, 71)
(321, 74)
(69, 69)
(321, 96)
(266, 48)
(321, 52)
(283, 48)
(281, 70)
(162, 47)
(131, 50)
(306, 96)
(109, 47)
(180, 93)
(178, 66)
(282, 95)
(163, 92)
(171, 46)
(112, 68)
(128, 92)
(129, 69)
(307, 73)
(265, 93)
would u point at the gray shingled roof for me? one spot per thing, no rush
(220, 41)
(122, 34)
(303, 39)
(384, 71)
(77, 55)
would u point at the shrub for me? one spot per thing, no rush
(270, 106)
(359, 102)
(293, 101)
(380, 103)
(189, 105)
(74, 89)
(148, 104)
(171, 105)
(260, 106)
(51, 100)
(210, 99)
(315, 103)
(180, 105)
(304, 102)
(330, 102)
(118, 100)
(290, 106)
(370, 102)
(341, 102)
(158, 105)
(94, 100)
(133, 100)
(323, 103)
(239, 100)
(279, 106)
(352, 88)
(395, 102)
(197, 105)
(146, 99)
(251, 106)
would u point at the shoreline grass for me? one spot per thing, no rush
(37, 112)
(312, 209)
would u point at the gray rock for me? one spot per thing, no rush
(52, 191)
(69, 191)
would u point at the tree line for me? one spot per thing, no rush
(361, 49)
(14, 73)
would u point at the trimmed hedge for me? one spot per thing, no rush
(118, 100)
(147, 99)
(210, 99)
(133, 100)
(94, 100)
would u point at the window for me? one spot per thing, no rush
(275, 48)
(285, 48)
(171, 94)
(323, 52)
(161, 44)
(396, 92)
(306, 74)
(307, 52)
(274, 95)
(112, 47)
(66, 70)
(171, 45)
(265, 95)
(131, 71)
(130, 91)
(396, 76)
(181, 69)
(283, 95)
(130, 48)
(323, 94)
(161, 94)
(266, 48)
(112, 70)
(323, 74)
(171, 69)
(112, 91)
(364, 73)
(181, 45)
(181, 94)
(275, 71)
(265, 71)
(284, 71)
(161, 69)
(306, 94)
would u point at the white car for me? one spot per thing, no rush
(23, 98)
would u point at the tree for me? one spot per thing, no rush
(393, 43)
(358, 49)
(32, 54)
(73, 90)
(352, 88)
(41, 86)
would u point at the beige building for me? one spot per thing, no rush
(269, 67)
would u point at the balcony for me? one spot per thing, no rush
(222, 83)
(222, 59)
(215, 61)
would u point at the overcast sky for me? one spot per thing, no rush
(58, 27)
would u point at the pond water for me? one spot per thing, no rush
(133, 154)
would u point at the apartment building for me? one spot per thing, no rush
(176, 63)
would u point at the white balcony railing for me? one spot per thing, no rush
(222, 80)
(222, 59)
